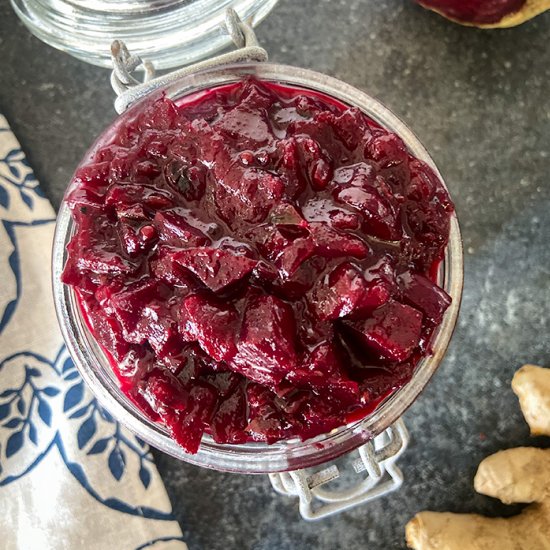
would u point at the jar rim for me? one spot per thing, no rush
(95, 368)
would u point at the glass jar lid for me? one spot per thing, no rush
(169, 33)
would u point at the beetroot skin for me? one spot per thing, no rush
(480, 12)
(256, 261)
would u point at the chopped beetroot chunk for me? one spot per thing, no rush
(212, 324)
(424, 295)
(266, 344)
(230, 420)
(345, 291)
(393, 331)
(214, 267)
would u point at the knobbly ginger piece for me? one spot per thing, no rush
(520, 475)
(532, 385)
(515, 475)
(447, 531)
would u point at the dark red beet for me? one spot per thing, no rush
(214, 267)
(212, 324)
(266, 343)
(257, 261)
(267, 421)
(230, 420)
(323, 372)
(173, 229)
(197, 416)
(393, 331)
(474, 11)
(345, 292)
(332, 244)
(424, 295)
(294, 255)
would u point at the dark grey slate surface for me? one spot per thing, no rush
(480, 102)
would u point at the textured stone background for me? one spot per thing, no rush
(480, 102)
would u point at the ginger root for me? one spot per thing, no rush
(515, 475)
(445, 531)
(532, 385)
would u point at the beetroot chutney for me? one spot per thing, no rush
(258, 261)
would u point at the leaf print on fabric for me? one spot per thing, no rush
(10, 303)
(38, 414)
(4, 197)
(15, 173)
(26, 412)
(74, 396)
(86, 432)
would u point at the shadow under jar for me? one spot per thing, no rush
(255, 457)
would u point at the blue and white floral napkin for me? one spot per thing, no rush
(70, 476)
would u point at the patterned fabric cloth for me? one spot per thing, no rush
(70, 476)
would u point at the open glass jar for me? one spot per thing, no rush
(290, 455)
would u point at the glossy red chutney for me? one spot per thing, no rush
(475, 11)
(257, 261)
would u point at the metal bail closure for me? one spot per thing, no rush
(377, 458)
(129, 89)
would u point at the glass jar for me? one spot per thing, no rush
(255, 457)
(169, 33)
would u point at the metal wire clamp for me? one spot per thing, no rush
(377, 458)
(129, 89)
